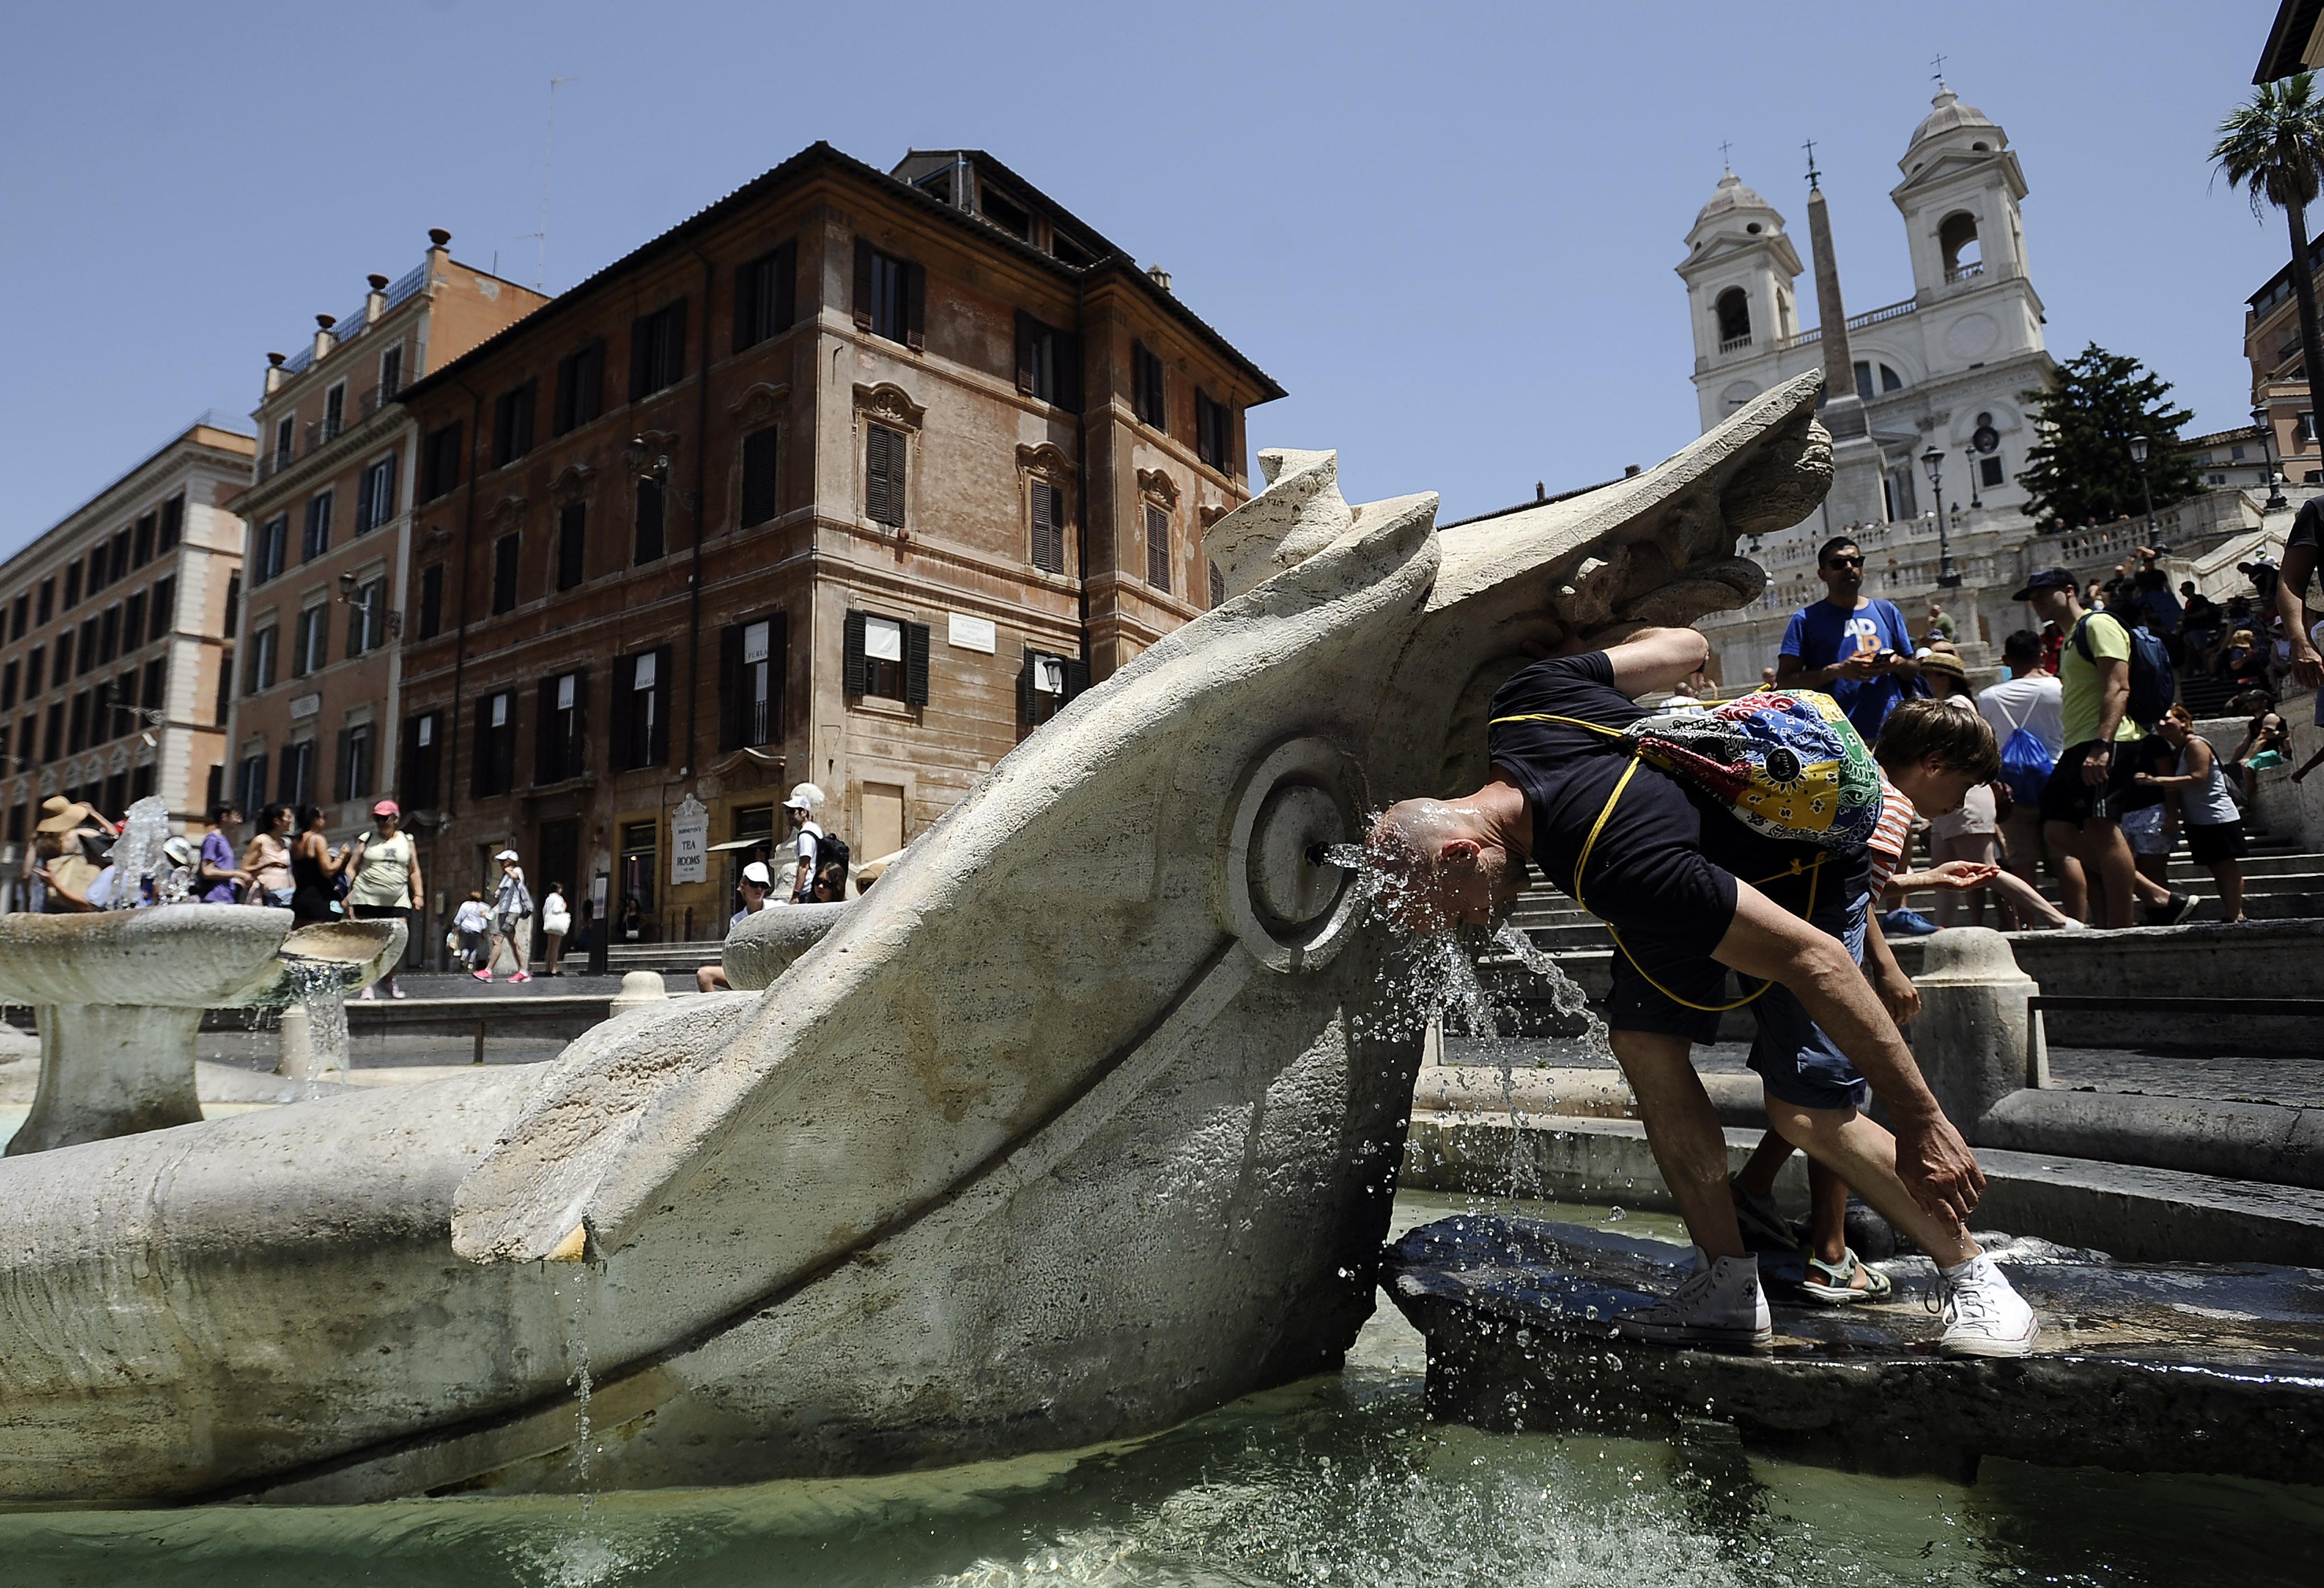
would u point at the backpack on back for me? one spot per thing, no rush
(831, 849)
(2153, 683)
(2026, 764)
(1790, 763)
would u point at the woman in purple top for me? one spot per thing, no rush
(222, 879)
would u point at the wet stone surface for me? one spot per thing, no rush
(2140, 1367)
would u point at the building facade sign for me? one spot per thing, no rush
(690, 843)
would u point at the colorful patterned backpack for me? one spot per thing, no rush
(1791, 764)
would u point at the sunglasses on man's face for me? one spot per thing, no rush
(1843, 562)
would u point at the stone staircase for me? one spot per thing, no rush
(2281, 881)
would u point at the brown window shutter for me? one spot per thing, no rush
(1048, 529)
(757, 476)
(862, 304)
(1157, 548)
(675, 329)
(779, 656)
(916, 664)
(747, 329)
(657, 748)
(641, 331)
(883, 477)
(1077, 677)
(916, 306)
(1025, 333)
(786, 292)
(1068, 356)
(853, 670)
(625, 689)
(545, 758)
(730, 686)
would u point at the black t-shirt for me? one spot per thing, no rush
(1567, 773)
(2308, 529)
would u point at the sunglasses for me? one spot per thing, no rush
(1843, 562)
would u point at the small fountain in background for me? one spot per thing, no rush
(138, 851)
(313, 1042)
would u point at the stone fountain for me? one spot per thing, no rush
(1085, 1120)
(119, 996)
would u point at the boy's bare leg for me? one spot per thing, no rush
(1684, 1133)
(1827, 1211)
(1863, 1154)
(1757, 1175)
(1927, 1155)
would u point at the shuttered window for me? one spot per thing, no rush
(1157, 548)
(580, 386)
(1214, 432)
(1149, 393)
(1048, 528)
(431, 601)
(891, 296)
(494, 768)
(751, 663)
(504, 555)
(418, 768)
(658, 350)
(884, 475)
(572, 543)
(765, 295)
(759, 476)
(647, 543)
(1045, 684)
(440, 462)
(375, 495)
(640, 710)
(886, 657)
(357, 763)
(1048, 363)
(513, 423)
(316, 539)
(559, 726)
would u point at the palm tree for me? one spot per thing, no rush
(2273, 148)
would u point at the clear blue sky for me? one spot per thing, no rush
(1448, 230)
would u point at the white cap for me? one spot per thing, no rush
(756, 872)
(508, 854)
(804, 797)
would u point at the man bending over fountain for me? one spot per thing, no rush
(1666, 868)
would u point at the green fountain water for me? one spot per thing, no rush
(1338, 1480)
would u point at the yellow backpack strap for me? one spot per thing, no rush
(1551, 716)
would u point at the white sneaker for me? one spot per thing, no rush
(1984, 1314)
(1720, 1303)
(367, 995)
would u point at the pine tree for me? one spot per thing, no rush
(2081, 473)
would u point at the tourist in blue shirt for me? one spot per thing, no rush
(1855, 650)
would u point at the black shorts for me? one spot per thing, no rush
(2215, 843)
(2065, 798)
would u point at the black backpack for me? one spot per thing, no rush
(2153, 682)
(831, 849)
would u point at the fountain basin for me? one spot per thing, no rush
(120, 996)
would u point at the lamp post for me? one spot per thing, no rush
(1934, 460)
(1975, 502)
(2259, 417)
(2138, 457)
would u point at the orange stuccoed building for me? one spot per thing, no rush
(853, 479)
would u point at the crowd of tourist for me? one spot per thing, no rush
(2103, 773)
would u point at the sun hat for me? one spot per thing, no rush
(67, 815)
(756, 872)
(2048, 578)
(387, 808)
(508, 854)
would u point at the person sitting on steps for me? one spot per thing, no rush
(1670, 870)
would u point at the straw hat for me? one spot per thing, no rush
(67, 815)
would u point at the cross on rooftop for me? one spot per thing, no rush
(1723, 147)
(1813, 173)
(1940, 73)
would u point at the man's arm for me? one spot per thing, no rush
(2299, 566)
(2113, 684)
(1656, 659)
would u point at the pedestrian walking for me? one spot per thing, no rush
(387, 883)
(219, 879)
(556, 920)
(2214, 823)
(511, 922)
(316, 871)
(472, 926)
(806, 842)
(2026, 713)
(268, 858)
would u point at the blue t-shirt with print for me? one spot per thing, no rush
(1820, 634)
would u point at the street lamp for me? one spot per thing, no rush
(2138, 457)
(1934, 460)
(2259, 418)
(1975, 502)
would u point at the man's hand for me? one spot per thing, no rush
(1938, 1168)
(1894, 990)
(1863, 665)
(1959, 875)
(2096, 765)
(2307, 665)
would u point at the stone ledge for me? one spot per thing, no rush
(2137, 1214)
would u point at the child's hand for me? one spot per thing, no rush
(1961, 874)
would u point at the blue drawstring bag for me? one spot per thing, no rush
(2025, 765)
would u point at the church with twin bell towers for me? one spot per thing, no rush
(1944, 371)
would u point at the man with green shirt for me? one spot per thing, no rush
(2082, 802)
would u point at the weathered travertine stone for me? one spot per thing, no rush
(1086, 1119)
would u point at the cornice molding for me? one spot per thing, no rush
(762, 399)
(572, 483)
(1046, 461)
(1157, 487)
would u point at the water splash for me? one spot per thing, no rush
(138, 851)
(1347, 857)
(1565, 995)
(318, 987)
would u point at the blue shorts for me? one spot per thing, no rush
(1795, 1061)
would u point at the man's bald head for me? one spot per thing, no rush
(1435, 865)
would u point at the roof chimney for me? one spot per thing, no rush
(375, 301)
(274, 376)
(1160, 277)
(324, 340)
(439, 237)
